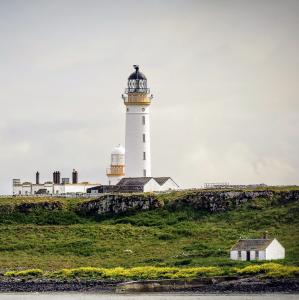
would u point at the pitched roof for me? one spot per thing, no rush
(134, 181)
(161, 180)
(116, 189)
(252, 244)
(41, 191)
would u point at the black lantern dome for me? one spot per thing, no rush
(137, 74)
(137, 82)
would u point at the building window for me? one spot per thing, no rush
(239, 254)
(144, 173)
(143, 109)
(127, 108)
(144, 156)
(256, 255)
(143, 120)
(143, 138)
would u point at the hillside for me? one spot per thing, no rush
(189, 228)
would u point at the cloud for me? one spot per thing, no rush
(224, 77)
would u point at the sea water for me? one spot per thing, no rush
(87, 296)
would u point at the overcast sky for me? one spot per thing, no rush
(224, 74)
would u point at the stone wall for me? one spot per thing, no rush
(215, 201)
(118, 203)
(27, 207)
(212, 201)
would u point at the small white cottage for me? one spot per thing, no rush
(257, 249)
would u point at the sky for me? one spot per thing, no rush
(224, 74)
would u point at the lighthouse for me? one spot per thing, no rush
(117, 167)
(137, 100)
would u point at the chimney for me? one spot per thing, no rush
(265, 236)
(37, 177)
(74, 177)
(58, 177)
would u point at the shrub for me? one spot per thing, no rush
(31, 272)
(147, 272)
(88, 272)
(183, 262)
(270, 270)
(151, 272)
(166, 236)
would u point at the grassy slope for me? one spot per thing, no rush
(58, 239)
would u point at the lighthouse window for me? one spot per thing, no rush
(127, 108)
(143, 120)
(143, 109)
(144, 156)
(144, 173)
(143, 138)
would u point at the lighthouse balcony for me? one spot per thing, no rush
(115, 171)
(137, 99)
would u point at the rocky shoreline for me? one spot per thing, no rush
(201, 285)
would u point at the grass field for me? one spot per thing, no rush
(60, 238)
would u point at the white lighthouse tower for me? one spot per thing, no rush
(117, 167)
(137, 102)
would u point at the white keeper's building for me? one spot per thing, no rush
(58, 186)
(257, 249)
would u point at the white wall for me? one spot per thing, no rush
(262, 255)
(36, 187)
(26, 189)
(234, 254)
(252, 255)
(56, 189)
(17, 190)
(243, 255)
(168, 185)
(77, 188)
(134, 141)
(152, 186)
(275, 251)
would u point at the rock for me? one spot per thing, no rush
(117, 204)
(30, 206)
(217, 201)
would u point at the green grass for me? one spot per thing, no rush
(62, 239)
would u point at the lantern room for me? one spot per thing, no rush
(137, 92)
